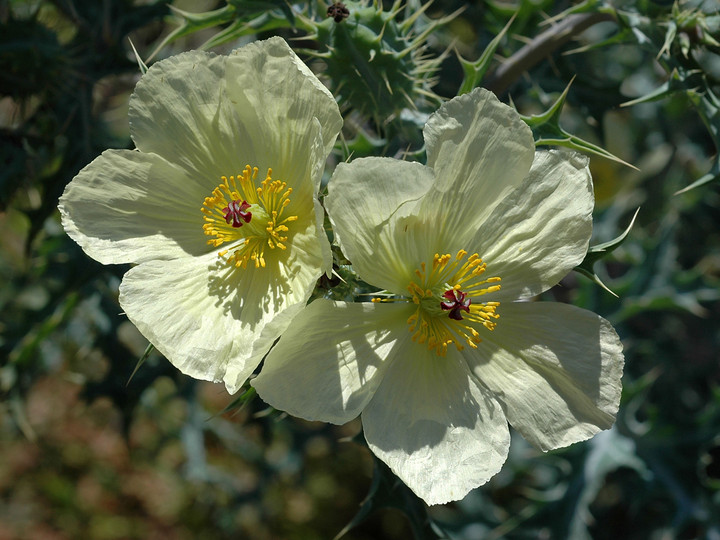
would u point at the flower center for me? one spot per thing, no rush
(250, 216)
(448, 310)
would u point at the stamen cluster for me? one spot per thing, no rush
(442, 294)
(228, 207)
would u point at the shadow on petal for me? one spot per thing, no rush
(248, 294)
(440, 431)
(329, 362)
(426, 397)
(555, 368)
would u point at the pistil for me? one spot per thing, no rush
(250, 216)
(447, 298)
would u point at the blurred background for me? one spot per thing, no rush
(91, 447)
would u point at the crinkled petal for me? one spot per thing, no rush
(541, 231)
(276, 96)
(368, 203)
(259, 106)
(179, 110)
(331, 359)
(282, 288)
(211, 320)
(556, 368)
(129, 207)
(438, 430)
(480, 150)
(304, 260)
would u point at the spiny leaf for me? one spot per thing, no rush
(592, 276)
(622, 37)
(388, 491)
(475, 71)
(707, 105)
(239, 28)
(674, 84)
(712, 175)
(697, 89)
(150, 348)
(589, 6)
(194, 22)
(670, 35)
(548, 132)
(141, 65)
(245, 7)
(240, 402)
(243, 17)
(599, 251)
(580, 145)
(552, 115)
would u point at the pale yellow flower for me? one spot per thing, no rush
(452, 352)
(217, 207)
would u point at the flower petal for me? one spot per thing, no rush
(541, 231)
(278, 98)
(128, 206)
(331, 359)
(438, 430)
(366, 201)
(179, 111)
(211, 320)
(259, 106)
(556, 369)
(480, 150)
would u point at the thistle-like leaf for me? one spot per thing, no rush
(677, 82)
(194, 22)
(141, 65)
(149, 349)
(548, 132)
(475, 71)
(599, 251)
(388, 491)
(242, 18)
(708, 107)
(240, 402)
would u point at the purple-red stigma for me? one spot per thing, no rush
(236, 211)
(456, 301)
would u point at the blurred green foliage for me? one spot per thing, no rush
(86, 454)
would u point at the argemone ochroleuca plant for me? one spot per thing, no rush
(451, 350)
(217, 207)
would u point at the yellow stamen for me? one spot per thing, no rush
(441, 318)
(266, 228)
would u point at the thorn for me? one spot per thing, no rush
(141, 64)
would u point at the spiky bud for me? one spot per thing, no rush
(375, 60)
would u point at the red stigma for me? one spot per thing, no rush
(235, 212)
(456, 301)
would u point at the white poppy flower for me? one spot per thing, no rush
(449, 354)
(217, 207)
